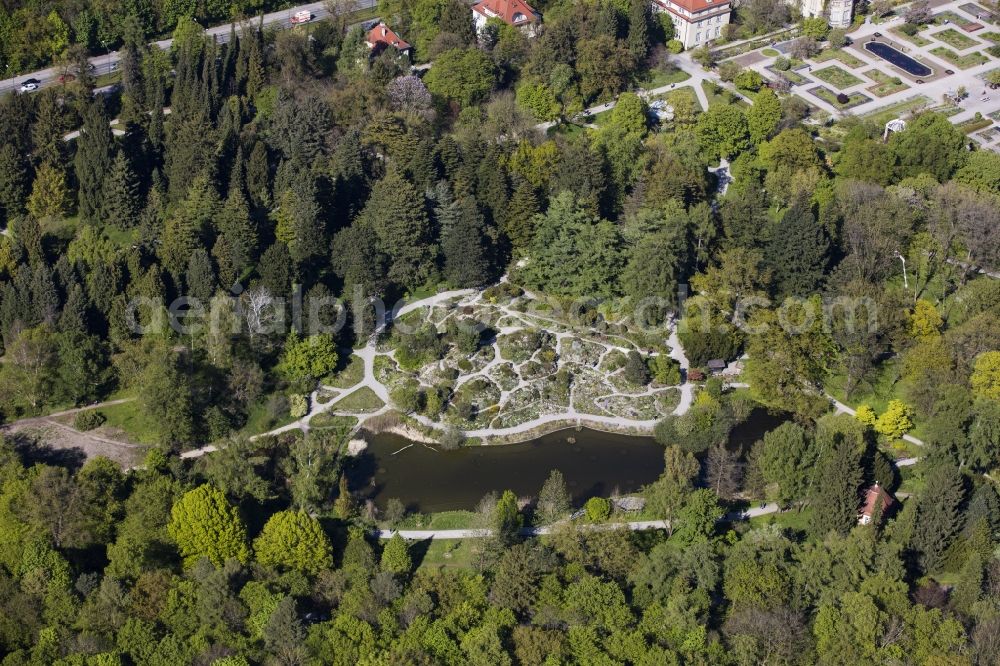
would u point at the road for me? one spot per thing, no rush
(106, 63)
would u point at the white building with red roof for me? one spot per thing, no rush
(696, 22)
(875, 497)
(382, 37)
(517, 13)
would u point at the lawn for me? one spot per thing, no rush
(876, 393)
(884, 84)
(658, 78)
(992, 36)
(348, 375)
(955, 39)
(131, 419)
(827, 95)
(898, 110)
(960, 61)
(261, 418)
(328, 421)
(442, 520)
(841, 55)
(718, 95)
(770, 53)
(361, 400)
(916, 39)
(793, 519)
(446, 554)
(837, 77)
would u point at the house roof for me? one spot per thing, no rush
(511, 12)
(872, 496)
(717, 364)
(382, 34)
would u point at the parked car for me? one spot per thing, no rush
(29, 84)
(302, 17)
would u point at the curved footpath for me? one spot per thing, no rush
(569, 417)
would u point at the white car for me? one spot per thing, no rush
(29, 85)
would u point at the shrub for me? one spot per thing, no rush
(298, 405)
(675, 46)
(88, 420)
(842, 98)
(452, 438)
(597, 509)
(909, 29)
(636, 371)
(782, 64)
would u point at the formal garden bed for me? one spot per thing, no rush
(955, 39)
(915, 39)
(884, 84)
(900, 109)
(961, 61)
(794, 77)
(829, 96)
(948, 16)
(837, 77)
(839, 54)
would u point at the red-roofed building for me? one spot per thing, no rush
(696, 22)
(517, 13)
(382, 37)
(875, 497)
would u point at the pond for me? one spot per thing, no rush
(427, 479)
(899, 59)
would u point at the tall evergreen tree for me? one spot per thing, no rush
(519, 218)
(200, 277)
(13, 183)
(94, 156)
(837, 478)
(466, 263)
(798, 251)
(121, 193)
(938, 519)
(50, 197)
(395, 210)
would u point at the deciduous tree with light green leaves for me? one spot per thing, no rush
(986, 375)
(204, 524)
(294, 541)
(308, 358)
(895, 421)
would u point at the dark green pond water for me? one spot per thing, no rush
(593, 463)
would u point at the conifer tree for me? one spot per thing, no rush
(13, 182)
(49, 194)
(200, 277)
(259, 175)
(835, 485)
(519, 218)
(94, 156)
(121, 193)
(797, 253)
(938, 518)
(186, 224)
(396, 212)
(464, 247)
